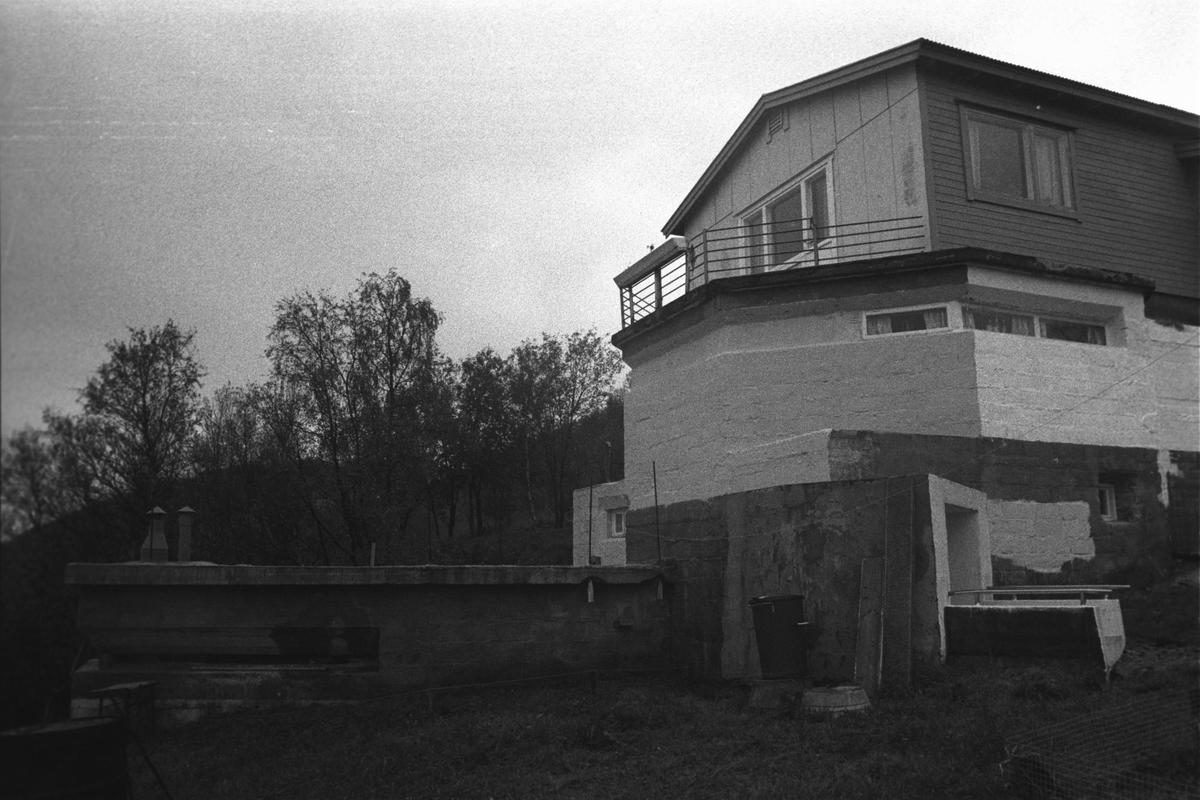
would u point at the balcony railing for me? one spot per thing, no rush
(676, 267)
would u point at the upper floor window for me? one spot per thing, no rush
(790, 224)
(1017, 162)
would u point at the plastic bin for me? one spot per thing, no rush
(780, 630)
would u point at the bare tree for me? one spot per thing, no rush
(556, 383)
(360, 379)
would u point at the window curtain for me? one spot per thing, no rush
(935, 318)
(879, 324)
(1022, 326)
(1047, 170)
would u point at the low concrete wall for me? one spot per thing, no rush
(219, 637)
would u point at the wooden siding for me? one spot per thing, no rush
(1135, 211)
(872, 127)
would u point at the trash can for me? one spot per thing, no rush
(780, 630)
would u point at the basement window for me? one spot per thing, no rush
(1108, 502)
(1117, 497)
(920, 319)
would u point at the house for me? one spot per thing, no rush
(929, 264)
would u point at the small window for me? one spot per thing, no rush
(1018, 162)
(616, 522)
(1108, 502)
(985, 319)
(922, 319)
(988, 319)
(1117, 496)
(1067, 331)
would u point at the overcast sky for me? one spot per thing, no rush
(202, 159)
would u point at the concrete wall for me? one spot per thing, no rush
(1143, 390)
(741, 394)
(742, 400)
(1182, 477)
(872, 128)
(809, 540)
(594, 530)
(1043, 504)
(317, 634)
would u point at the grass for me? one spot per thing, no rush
(658, 736)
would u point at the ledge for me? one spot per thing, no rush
(866, 277)
(194, 574)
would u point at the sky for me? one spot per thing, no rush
(201, 160)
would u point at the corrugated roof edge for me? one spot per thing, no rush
(906, 53)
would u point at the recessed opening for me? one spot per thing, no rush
(962, 551)
(1116, 497)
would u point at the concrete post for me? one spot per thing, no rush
(155, 546)
(186, 517)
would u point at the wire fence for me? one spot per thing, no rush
(1148, 748)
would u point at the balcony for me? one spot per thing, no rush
(678, 266)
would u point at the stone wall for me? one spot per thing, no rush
(223, 637)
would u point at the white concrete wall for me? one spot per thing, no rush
(610, 549)
(745, 400)
(1143, 390)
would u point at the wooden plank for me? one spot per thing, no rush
(869, 645)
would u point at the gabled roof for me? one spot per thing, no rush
(928, 53)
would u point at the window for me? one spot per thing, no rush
(921, 319)
(1117, 494)
(1017, 162)
(789, 226)
(984, 319)
(987, 319)
(1067, 331)
(1108, 502)
(616, 522)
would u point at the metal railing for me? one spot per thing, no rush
(677, 267)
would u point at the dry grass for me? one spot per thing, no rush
(657, 736)
(650, 736)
